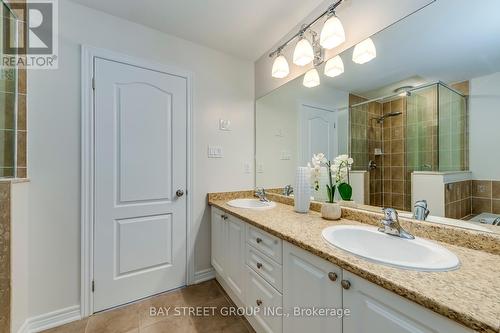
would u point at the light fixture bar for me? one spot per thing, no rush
(306, 27)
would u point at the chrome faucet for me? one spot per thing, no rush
(421, 212)
(288, 190)
(391, 226)
(261, 194)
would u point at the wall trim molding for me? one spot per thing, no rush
(204, 275)
(51, 320)
(88, 54)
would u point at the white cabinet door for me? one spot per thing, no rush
(310, 283)
(374, 309)
(235, 252)
(219, 237)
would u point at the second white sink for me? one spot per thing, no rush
(413, 254)
(251, 204)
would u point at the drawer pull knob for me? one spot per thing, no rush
(259, 265)
(346, 284)
(259, 302)
(332, 276)
(258, 240)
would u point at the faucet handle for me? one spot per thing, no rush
(391, 215)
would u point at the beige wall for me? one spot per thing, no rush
(222, 88)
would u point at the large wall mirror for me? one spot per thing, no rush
(421, 120)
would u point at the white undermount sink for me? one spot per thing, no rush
(413, 254)
(251, 204)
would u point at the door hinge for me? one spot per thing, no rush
(93, 285)
(93, 83)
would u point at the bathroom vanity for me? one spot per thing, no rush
(277, 262)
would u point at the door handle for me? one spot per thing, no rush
(179, 193)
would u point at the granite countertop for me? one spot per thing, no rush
(469, 295)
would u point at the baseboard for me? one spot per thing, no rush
(204, 275)
(23, 328)
(51, 320)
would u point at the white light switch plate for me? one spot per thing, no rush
(285, 155)
(215, 152)
(224, 125)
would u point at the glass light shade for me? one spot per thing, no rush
(280, 67)
(334, 67)
(303, 53)
(364, 52)
(311, 79)
(332, 34)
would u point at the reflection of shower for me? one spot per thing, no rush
(388, 115)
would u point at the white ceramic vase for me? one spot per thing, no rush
(331, 211)
(302, 191)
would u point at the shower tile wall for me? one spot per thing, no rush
(366, 136)
(395, 184)
(485, 196)
(358, 133)
(458, 199)
(13, 130)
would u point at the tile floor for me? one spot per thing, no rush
(136, 318)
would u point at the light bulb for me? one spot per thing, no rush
(332, 34)
(311, 79)
(334, 67)
(364, 52)
(280, 67)
(303, 53)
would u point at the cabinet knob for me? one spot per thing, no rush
(259, 265)
(259, 302)
(179, 193)
(346, 284)
(258, 240)
(332, 276)
(224, 217)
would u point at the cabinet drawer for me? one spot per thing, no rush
(265, 267)
(265, 243)
(262, 295)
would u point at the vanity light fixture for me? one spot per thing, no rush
(332, 34)
(364, 52)
(334, 67)
(304, 53)
(311, 79)
(280, 67)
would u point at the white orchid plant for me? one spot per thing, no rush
(338, 175)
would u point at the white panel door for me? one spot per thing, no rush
(317, 133)
(374, 309)
(140, 163)
(310, 282)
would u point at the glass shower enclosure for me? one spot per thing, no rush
(421, 129)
